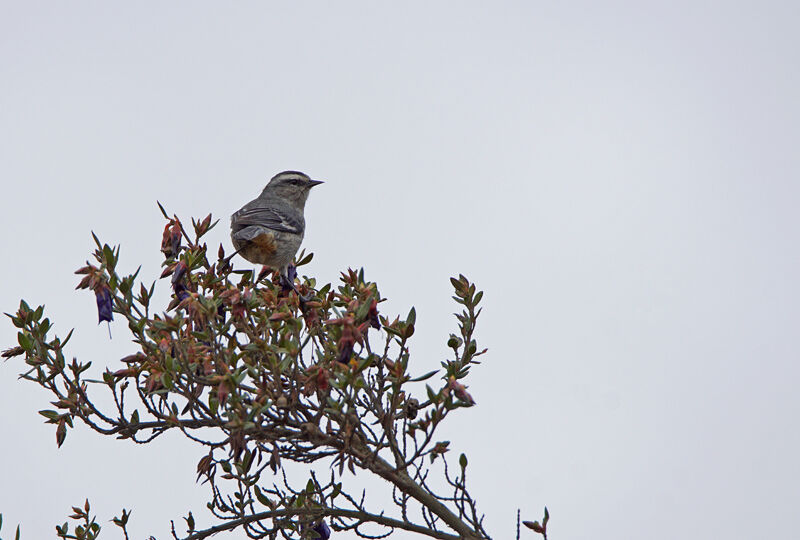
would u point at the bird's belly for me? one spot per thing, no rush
(270, 248)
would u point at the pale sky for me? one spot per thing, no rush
(620, 178)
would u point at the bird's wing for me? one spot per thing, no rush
(270, 217)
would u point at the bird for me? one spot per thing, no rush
(269, 229)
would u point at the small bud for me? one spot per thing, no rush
(13, 351)
(61, 431)
(534, 525)
(454, 342)
(222, 392)
(412, 408)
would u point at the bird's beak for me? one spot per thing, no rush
(312, 183)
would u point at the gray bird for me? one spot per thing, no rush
(269, 229)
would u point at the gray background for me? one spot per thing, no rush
(621, 178)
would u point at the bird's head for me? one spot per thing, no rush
(292, 186)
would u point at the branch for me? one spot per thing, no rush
(333, 512)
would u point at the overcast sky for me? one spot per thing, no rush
(621, 178)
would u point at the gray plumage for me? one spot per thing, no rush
(269, 229)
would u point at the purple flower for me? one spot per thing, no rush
(322, 530)
(179, 273)
(373, 315)
(104, 304)
(291, 273)
(175, 238)
(178, 285)
(181, 294)
(171, 240)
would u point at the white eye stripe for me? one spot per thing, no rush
(288, 176)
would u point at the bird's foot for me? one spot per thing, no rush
(287, 280)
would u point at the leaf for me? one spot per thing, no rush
(24, 341)
(412, 316)
(163, 212)
(409, 331)
(50, 415)
(108, 255)
(305, 260)
(462, 460)
(263, 499)
(432, 396)
(96, 241)
(426, 376)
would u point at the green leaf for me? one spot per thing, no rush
(305, 260)
(24, 341)
(426, 376)
(108, 255)
(433, 396)
(462, 460)
(412, 316)
(50, 415)
(18, 322)
(263, 499)
(477, 298)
